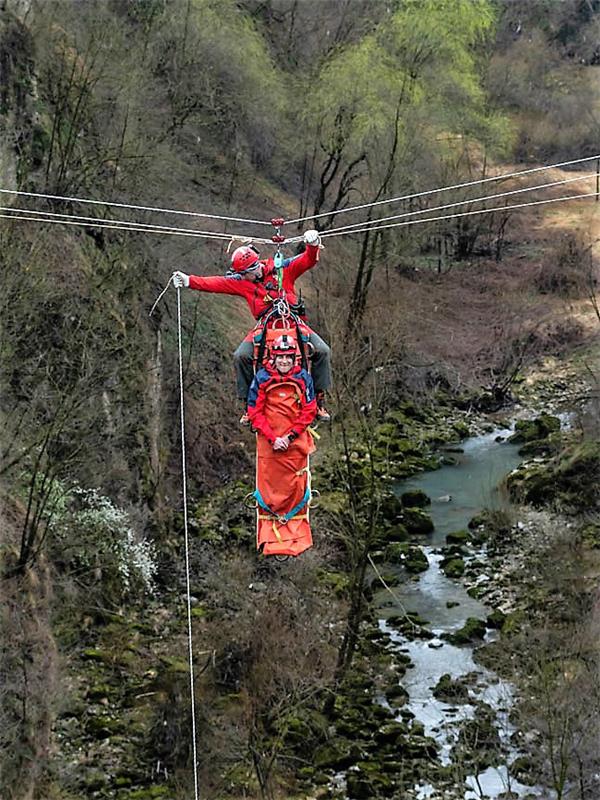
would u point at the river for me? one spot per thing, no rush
(458, 493)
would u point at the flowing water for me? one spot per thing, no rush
(458, 493)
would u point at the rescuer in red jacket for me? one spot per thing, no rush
(254, 279)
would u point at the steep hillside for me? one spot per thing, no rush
(250, 110)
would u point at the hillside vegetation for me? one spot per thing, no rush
(251, 109)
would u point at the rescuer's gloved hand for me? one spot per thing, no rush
(312, 237)
(180, 279)
(281, 443)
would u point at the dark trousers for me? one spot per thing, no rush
(321, 366)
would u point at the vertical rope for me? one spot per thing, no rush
(187, 550)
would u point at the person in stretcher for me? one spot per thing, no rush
(281, 400)
(281, 406)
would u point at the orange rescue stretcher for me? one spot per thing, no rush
(283, 486)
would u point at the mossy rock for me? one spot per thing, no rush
(472, 630)
(337, 754)
(512, 623)
(532, 430)
(453, 567)
(394, 533)
(475, 592)
(99, 691)
(157, 792)
(175, 665)
(337, 582)
(415, 498)
(458, 537)
(411, 625)
(94, 781)
(477, 521)
(391, 733)
(412, 411)
(390, 508)
(572, 479)
(417, 522)
(450, 690)
(590, 534)
(496, 619)
(95, 654)
(391, 578)
(359, 787)
(397, 533)
(410, 556)
(333, 502)
(396, 695)
(416, 561)
(102, 727)
(461, 429)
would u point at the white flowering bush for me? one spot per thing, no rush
(97, 538)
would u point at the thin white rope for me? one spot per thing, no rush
(381, 579)
(187, 548)
(160, 296)
(112, 204)
(480, 199)
(125, 223)
(462, 214)
(443, 189)
(35, 216)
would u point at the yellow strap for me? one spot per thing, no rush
(277, 534)
(313, 433)
(298, 516)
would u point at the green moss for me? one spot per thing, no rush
(571, 479)
(453, 567)
(174, 664)
(102, 727)
(534, 429)
(451, 690)
(461, 429)
(415, 498)
(417, 521)
(336, 581)
(458, 537)
(472, 630)
(496, 619)
(512, 623)
(410, 556)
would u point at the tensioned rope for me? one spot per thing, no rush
(481, 198)
(503, 176)
(187, 547)
(460, 214)
(113, 204)
(359, 227)
(244, 220)
(122, 225)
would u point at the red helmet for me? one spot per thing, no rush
(283, 344)
(244, 258)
